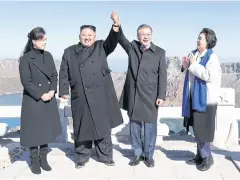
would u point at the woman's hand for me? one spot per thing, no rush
(185, 62)
(45, 97)
(193, 59)
(51, 93)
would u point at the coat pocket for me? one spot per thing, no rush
(72, 83)
(73, 89)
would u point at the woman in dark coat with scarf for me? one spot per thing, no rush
(40, 121)
(200, 96)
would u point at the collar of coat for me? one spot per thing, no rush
(79, 46)
(33, 53)
(152, 46)
(39, 64)
(201, 54)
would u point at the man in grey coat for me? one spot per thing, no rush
(144, 90)
(94, 102)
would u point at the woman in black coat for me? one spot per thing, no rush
(40, 121)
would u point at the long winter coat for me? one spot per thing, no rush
(40, 122)
(146, 80)
(94, 103)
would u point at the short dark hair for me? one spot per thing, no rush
(210, 37)
(88, 26)
(144, 26)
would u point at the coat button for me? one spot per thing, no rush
(94, 74)
(81, 65)
(48, 82)
(39, 84)
(97, 86)
(92, 61)
(86, 89)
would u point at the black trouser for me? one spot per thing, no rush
(204, 149)
(36, 147)
(103, 149)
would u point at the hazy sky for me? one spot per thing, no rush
(175, 24)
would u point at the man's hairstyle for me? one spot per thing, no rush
(88, 26)
(144, 26)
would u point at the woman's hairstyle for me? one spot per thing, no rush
(35, 34)
(210, 37)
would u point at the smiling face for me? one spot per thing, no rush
(201, 42)
(145, 36)
(87, 37)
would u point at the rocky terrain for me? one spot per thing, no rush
(10, 82)
(9, 77)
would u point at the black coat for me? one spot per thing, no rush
(94, 103)
(145, 82)
(40, 121)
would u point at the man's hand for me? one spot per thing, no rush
(65, 96)
(45, 97)
(159, 102)
(115, 18)
(51, 93)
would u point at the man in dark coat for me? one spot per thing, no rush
(144, 90)
(94, 103)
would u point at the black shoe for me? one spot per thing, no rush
(195, 161)
(206, 163)
(43, 159)
(110, 163)
(79, 165)
(35, 164)
(149, 162)
(136, 160)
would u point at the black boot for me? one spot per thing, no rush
(206, 163)
(43, 158)
(110, 162)
(195, 161)
(35, 164)
(79, 165)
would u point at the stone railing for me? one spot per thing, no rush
(8, 112)
(226, 130)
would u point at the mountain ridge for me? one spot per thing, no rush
(10, 82)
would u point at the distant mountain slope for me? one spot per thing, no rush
(10, 82)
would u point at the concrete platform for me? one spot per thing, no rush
(170, 157)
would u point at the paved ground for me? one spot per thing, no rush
(170, 157)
